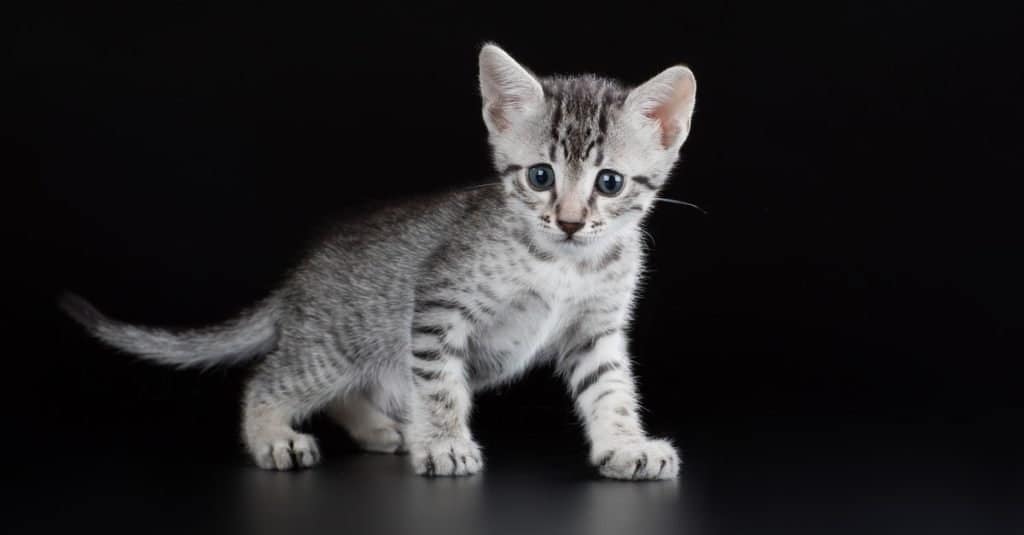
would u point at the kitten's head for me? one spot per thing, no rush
(582, 157)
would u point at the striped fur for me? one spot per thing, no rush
(394, 321)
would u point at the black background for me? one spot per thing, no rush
(833, 346)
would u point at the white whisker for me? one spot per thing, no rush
(478, 186)
(684, 203)
(649, 235)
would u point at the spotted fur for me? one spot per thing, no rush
(394, 321)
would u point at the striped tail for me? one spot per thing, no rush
(252, 333)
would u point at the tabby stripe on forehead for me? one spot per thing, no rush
(590, 146)
(556, 121)
(592, 378)
(602, 112)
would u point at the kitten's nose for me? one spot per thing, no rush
(570, 227)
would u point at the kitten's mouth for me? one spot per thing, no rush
(562, 239)
(575, 240)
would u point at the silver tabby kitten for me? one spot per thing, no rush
(392, 323)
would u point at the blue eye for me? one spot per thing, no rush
(541, 177)
(609, 183)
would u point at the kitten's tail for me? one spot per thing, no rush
(252, 333)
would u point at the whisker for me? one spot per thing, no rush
(478, 186)
(683, 203)
(649, 235)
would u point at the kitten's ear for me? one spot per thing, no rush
(666, 102)
(509, 91)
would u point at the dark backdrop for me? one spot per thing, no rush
(846, 315)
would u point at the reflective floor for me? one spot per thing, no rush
(863, 480)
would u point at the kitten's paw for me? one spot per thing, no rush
(640, 459)
(448, 457)
(286, 450)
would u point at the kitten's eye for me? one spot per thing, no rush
(609, 183)
(541, 177)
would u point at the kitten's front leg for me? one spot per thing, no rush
(598, 373)
(440, 443)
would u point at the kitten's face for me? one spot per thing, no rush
(581, 157)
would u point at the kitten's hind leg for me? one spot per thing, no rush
(370, 427)
(267, 429)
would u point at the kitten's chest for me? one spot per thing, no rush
(536, 309)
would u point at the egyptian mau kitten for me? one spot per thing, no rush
(392, 323)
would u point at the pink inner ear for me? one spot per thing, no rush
(669, 109)
(668, 115)
(496, 113)
(499, 110)
(670, 128)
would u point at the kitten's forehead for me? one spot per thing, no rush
(580, 109)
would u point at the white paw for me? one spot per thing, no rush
(286, 450)
(639, 459)
(448, 457)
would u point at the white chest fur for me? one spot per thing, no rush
(537, 308)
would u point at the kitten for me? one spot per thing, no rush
(390, 325)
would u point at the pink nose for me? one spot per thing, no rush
(570, 227)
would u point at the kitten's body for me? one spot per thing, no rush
(392, 323)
